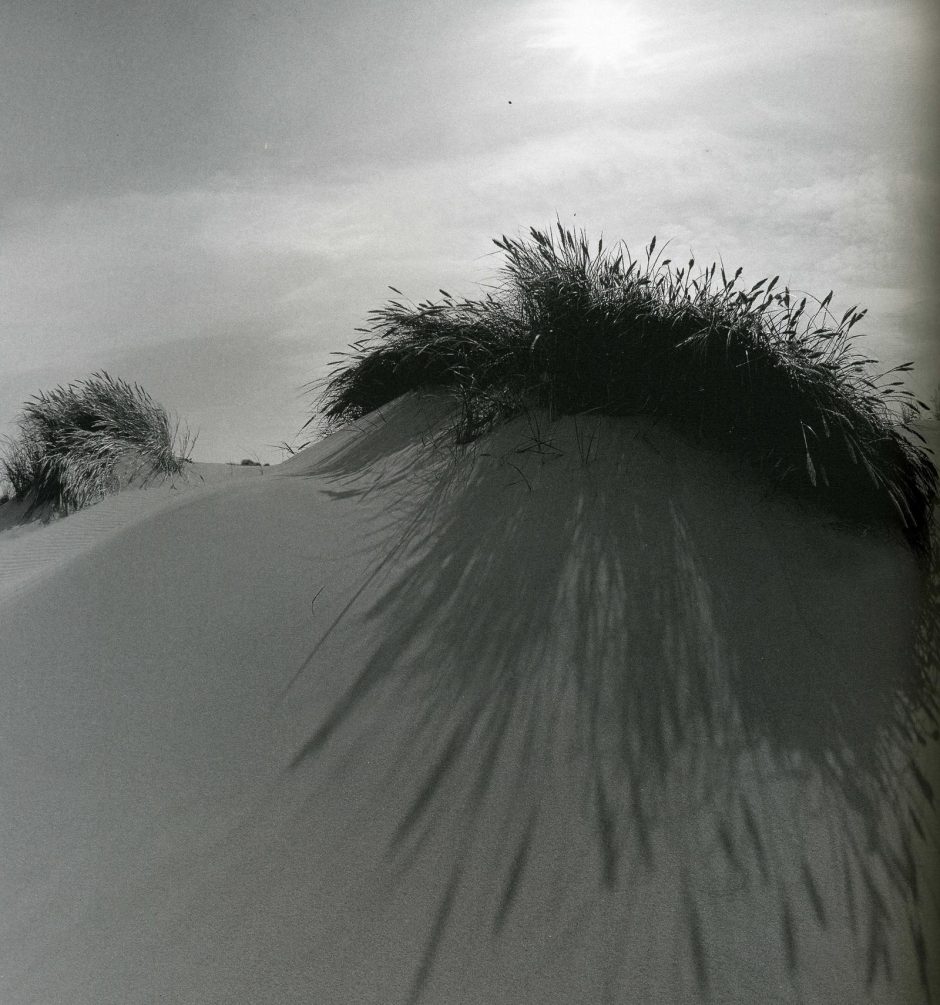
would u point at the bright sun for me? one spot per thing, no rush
(601, 33)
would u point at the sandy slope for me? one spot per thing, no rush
(580, 715)
(27, 557)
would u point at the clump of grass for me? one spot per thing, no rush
(72, 440)
(581, 328)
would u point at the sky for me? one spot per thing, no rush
(208, 197)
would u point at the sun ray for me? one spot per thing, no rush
(601, 34)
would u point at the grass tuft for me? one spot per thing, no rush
(576, 327)
(72, 440)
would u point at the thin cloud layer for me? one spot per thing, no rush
(263, 171)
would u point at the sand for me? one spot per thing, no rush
(579, 714)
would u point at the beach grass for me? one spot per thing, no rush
(577, 327)
(73, 439)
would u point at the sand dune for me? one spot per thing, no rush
(577, 714)
(28, 556)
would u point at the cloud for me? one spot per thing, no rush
(194, 293)
(287, 271)
(139, 269)
(200, 177)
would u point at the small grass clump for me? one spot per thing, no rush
(578, 328)
(73, 438)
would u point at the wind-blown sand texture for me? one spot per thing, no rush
(579, 713)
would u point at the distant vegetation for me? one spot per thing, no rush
(72, 440)
(573, 327)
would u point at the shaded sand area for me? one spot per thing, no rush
(27, 557)
(576, 714)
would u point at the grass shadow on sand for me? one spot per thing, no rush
(637, 636)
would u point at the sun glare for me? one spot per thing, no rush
(602, 34)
